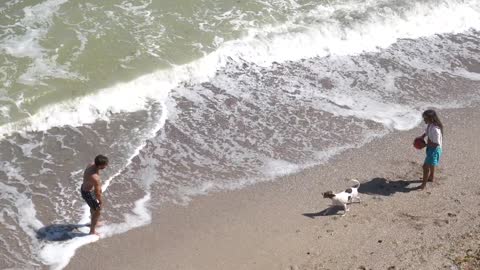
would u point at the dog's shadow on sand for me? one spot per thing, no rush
(329, 211)
(60, 232)
(377, 186)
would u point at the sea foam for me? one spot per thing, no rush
(319, 33)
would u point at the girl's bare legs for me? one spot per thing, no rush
(426, 174)
(432, 173)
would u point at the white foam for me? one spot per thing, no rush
(26, 210)
(25, 215)
(330, 36)
(276, 168)
(394, 116)
(147, 30)
(45, 67)
(124, 97)
(58, 255)
(369, 106)
(27, 45)
(141, 216)
(263, 47)
(36, 24)
(271, 170)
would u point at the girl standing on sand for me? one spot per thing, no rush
(434, 134)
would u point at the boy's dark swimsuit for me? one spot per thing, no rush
(90, 198)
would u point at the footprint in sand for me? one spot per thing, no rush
(419, 226)
(440, 222)
(414, 220)
(451, 215)
(410, 216)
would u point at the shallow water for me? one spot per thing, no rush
(275, 87)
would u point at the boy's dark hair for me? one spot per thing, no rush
(432, 115)
(101, 160)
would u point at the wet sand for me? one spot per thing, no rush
(280, 224)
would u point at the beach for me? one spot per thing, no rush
(279, 225)
(224, 121)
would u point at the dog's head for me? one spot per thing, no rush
(329, 194)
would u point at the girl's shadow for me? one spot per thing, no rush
(384, 187)
(61, 232)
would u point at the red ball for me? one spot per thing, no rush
(419, 143)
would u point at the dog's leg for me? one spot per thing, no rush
(345, 209)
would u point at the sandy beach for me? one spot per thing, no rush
(225, 121)
(280, 225)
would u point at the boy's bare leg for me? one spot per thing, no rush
(95, 215)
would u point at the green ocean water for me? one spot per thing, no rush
(283, 85)
(56, 50)
(53, 52)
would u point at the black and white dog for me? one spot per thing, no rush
(353, 191)
(343, 198)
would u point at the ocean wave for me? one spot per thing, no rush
(327, 30)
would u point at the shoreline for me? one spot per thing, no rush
(278, 224)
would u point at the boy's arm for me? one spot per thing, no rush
(98, 188)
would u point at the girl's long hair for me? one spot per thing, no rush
(433, 117)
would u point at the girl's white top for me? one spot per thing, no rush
(434, 133)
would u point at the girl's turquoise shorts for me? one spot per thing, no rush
(433, 156)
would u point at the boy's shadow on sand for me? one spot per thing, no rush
(376, 186)
(61, 232)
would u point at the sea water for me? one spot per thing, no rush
(190, 97)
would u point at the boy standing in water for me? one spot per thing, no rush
(434, 134)
(91, 189)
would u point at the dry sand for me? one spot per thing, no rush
(279, 225)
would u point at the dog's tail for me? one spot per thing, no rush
(357, 183)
